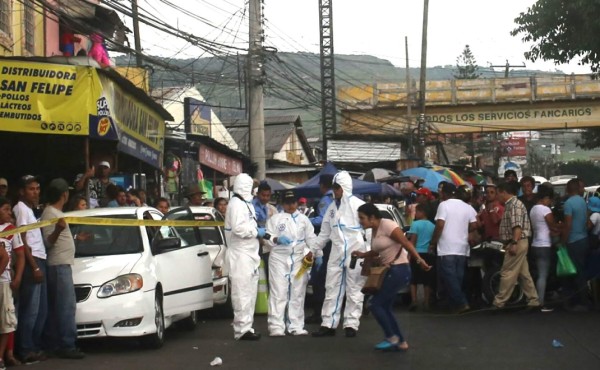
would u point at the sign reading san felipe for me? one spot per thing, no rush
(47, 98)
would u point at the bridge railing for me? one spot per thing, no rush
(477, 91)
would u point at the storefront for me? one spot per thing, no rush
(199, 159)
(58, 119)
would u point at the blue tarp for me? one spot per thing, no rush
(310, 188)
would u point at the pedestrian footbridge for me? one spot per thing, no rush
(478, 105)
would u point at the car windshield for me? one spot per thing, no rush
(106, 240)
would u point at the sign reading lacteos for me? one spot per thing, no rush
(46, 98)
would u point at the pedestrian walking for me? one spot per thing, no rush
(515, 230)
(389, 244)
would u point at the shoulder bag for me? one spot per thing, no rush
(376, 275)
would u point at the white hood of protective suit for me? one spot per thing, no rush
(242, 186)
(344, 180)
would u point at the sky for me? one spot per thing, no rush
(374, 27)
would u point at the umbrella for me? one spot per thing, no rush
(431, 177)
(311, 187)
(389, 191)
(453, 176)
(376, 174)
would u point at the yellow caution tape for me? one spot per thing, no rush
(111, 222)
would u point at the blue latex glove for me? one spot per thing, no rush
(261, 232)
(318, 263)
(284, 240)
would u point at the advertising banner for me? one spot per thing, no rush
(140, 129)
(47, 98)
(515, 147)
(218, 161)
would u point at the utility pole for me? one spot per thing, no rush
(409, 100)
(422, 80)
(507, 67)
(255, 86)
(328, 111)
(139, 60)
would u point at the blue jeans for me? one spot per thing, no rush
(382, 303)
(577, 286)
(452, 272)
(33, 310)
(542, 257)
(61, 329)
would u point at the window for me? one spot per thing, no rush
(5, 14)
(29, 26)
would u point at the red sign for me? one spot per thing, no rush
(516, 147)
(219, 161)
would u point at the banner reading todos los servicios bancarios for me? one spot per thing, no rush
(47, 98)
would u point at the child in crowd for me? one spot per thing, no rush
(8, 320)
(421, 232)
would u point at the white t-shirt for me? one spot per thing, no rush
(455, 235)
(11, 242)
(24, 216)
(541, 231)
(595, 219)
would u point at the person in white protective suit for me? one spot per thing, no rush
(290, 235)
(341, 226)
(242, 233)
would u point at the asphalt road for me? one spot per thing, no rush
(478, 340)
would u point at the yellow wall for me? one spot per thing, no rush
(14, 44)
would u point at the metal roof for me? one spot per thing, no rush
(363, 151)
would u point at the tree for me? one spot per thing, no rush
(561, 31)
(466, 65)
(585, 170)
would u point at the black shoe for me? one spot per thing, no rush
(324, 332)
(250, 336)
(350, 332)
(72, 354)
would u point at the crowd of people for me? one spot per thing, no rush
(529, 220)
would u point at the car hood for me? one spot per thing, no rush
(98, 270)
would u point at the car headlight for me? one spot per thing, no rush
(121, 285)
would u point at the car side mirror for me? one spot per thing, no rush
(160, 245)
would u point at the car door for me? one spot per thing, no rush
(185, 271)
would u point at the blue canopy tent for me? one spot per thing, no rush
(310, 188)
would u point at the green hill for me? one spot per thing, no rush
(292, 81)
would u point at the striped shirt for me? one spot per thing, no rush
(515, 215)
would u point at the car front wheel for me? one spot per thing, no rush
(156, 339)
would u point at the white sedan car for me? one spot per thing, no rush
(135, 281)
(214, 239)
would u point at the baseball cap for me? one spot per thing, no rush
(59, 185)
(302, 200)
(105, 164)
(426, 192)
(26, 180)
(289, 197)
(594, 204)
(3, 182)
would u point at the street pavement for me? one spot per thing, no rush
(477, 340)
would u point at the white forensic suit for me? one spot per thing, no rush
(285, 291)
(341, 226)
(242, 254)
